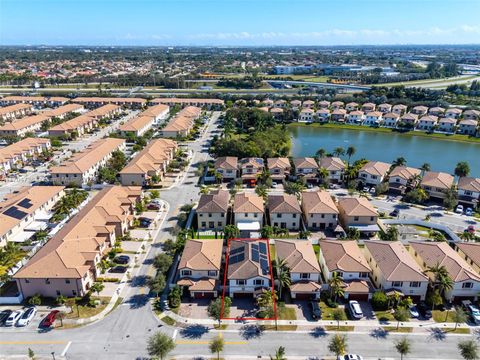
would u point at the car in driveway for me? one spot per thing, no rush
(27, 316)
(13, 318)
(355, 310)
(122, 259)
(414, 313)
(153, 206)
(425, 311)
(49, 320)
(349, 357)
(315, 309)
(472, 311)
(459, 209)
(469, 212)
(118, 269)
(144, 222)
(395, 213)
(4, 316)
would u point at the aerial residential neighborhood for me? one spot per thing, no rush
(194, 180)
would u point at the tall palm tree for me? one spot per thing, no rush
(336, 286)
(441, 278)
(282, 273)
(279, 354)
(400, 161)
(321, 153)
(350, 152)
(425, 167)
(339, 151)
(323, 173)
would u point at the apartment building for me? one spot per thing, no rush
(319, 210)
(64, 110)
(201, 103)
(13, 112)
(151, 162)
(212, 210)
(107, 111)
(80, 125)
(284, 211)
(436, 184)
(373, 172)
(393, 268)
(182, 123)
(470, 252)
(37, 101)
(140, 124)
(82, 168)
(15, 156)
(24, 212)
(94, 102)
(24, 125)
(68, 264)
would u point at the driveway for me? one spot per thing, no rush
(243, 308)
(195, 309)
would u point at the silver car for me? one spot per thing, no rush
(355, 309)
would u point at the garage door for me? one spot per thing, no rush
(242, 295)
(304, 296)
(203, 295)
(358, 297)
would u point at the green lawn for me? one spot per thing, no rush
(384, 316)
(316, 248)
(338, 328)
(327, 312)
(439, 316)
(399, 330)
(273, 252)
(286, 313)
(168, 320)
(457, 330)
(83, 311)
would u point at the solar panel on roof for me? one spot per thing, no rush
(236, 251)
(264, 265)
(14, 212)
(255, 256)
(263, 248)
(255, 246)
(25, 203)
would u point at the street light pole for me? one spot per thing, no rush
(53, 355)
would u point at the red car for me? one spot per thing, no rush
(49, 319)
(470, 229)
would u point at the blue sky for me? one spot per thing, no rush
(239, 22)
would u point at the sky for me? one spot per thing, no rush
(239, 22)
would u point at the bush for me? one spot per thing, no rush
(262, 314)
(35, 300)
(107, 279)
(330, 303)
(379, 301)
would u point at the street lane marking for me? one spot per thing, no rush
(33, 342)
(175, 334)
(203, 342)
(66, 348)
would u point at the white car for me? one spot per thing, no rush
(373, 190)
(474, 313)
(13, 318)
(349, 357)
(355, 309)
(27, 316)
(459, 209)
(274, 184)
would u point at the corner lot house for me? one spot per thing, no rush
(248, 213)
(319, 210)
(335, 167)
(394, 269)
(279, 168)
(248, 270)
(436, 184)
(401, 177)
(25, 211)
(468, 191)
(373, 172)
(227, 166)
(470, 252)
(199, 267)
(304, 268)
(212, 210)
(466, 281)
(68, 264)
(284, 211)
(358, 213)
(346, 260)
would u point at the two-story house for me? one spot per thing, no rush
(351, 106)
(324, 104)
(355, 117)
(212, 210)
(403, 177)
(393, 268)
(284, 211)
(470, 252)
(384, 108)
(335, 167)
(466, 281)
(319, 210)
(306, 115)
(453, 113)
(323, 115)
(248, 212)
(306, 168)
(468, 127)
(391, 120)
(427, 123)
(368, 107)
(373, 118)
(471, 115)
(227, 166)
(337, 105)
(248, 268)
(345, 260)
(338, 115)
(409, 120)
(468, 191)
(279, 168)
(199, 267)
(250, 168)
(373, 172)
(436, 111)
(304, 268)
(358, 213)
(447, 125)
(436, 184)
(399, 109)
(419, 110)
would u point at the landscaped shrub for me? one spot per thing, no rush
(379, 301)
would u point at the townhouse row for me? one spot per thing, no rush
(13, 112)
(377, 265)
(182, 123)
(36, 101)
(140, 124)
(317, 210)
(16, 155)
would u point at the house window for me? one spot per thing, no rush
(58, 292)
(258, 282)
(67, 281)
(209, 215)
(397, 283)
(27, 281)
(371, 218)
(222, 215)
(255, 215)
(304, 276)
(279, 215)
(212, 273)
(355, 218)
(186, 272)
(47, 281)
(322, 216)
(241, 282)
(74, 293)
(415, 284)
(204, 224)
(294, 216)
(219, 224)
(338, 273)
(364, 275)
(246, 214)
(467, 285)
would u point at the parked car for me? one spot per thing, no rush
(470, 229)
(474, 314)
(22, 171)
(366, 189)
(395, 213)
(49, 320)
(153, 206)
(373, 190)
(13, 317)
(355, 309)
(316, 312)
(122, 259)
(4, 316)
(27, 316)
(349, 357)
(118, 269)
(414, 314)
(459, 209)
(145, 222)
(469, 212)
(425, 311)
(274, 184)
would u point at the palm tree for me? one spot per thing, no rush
(282, 273)
(265, 302)
(231, 232)
(261, 190)
(403, 347)
(441, 278)
(350, 152)
(336, 286)
(216, 345)
(468, 349)
(294, 188)
(323, 173)
(425, 167)
(339, 151)
(279, 354)
(459, 316)
(321, 153)
(400, 161)
(462, 169)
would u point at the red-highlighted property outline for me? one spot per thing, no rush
(225, 279)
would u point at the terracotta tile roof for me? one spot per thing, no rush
(202, 255)
(298, 254)
(377, 168)
(429, 118)
(391, 115)
(469, 122)
(109, 100)
(469, 184)
(447, 121)
(214, 202)
(400, 106)
(184, 119)
(248, 203)
(437, 179)
(375, 114)
(357, 287)
(352, 104)
(343, 256)
(247, 266)
(16, 207)
(276, 110)
(441, 253)
(394, 261)
(102, 111)
(356, 113)
(281, 162)
(203, 285)
(436, 109)
(257, 163)
(420, 108)
(472, 250)
(137, 123)
(305, 163)
(73, 124)
(21, 147)
(318, 202)
(227, 163)
(410, 117)
(69, 254)
(332, 163)
(14, 108)
(283, 204)
(454, 111)
(62, 110)
(357, 207)
(404, 172)
(187, 101)
(25, 122)
(305, 286)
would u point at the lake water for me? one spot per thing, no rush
(442, 155)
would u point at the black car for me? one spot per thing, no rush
(424, 311)
(145, 222)
(4, 316)
(122, 259)
(395, 212)
(316, 312)
(118, 269)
